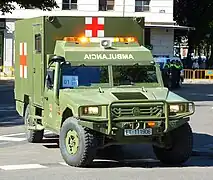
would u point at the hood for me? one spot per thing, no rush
(106, 96)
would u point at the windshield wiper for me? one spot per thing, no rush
(127, 84)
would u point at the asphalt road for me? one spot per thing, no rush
(21, 161)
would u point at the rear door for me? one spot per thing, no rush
(37, 64)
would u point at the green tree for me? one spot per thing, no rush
(198, 14)
(7, 6)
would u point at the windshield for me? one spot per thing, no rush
(130, 75)
(87, 76)
(77, 76)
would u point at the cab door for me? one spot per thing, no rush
(50, 115)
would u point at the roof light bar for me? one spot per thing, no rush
(87, 40)
(77, 39)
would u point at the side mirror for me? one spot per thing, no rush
(58, 59)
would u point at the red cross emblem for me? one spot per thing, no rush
(23, 60)
(94, 26)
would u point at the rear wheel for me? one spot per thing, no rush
(33, 136)
(77, 144)
(180, 149)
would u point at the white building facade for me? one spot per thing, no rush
(159, 31)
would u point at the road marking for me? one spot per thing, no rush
(15, 139)
(2, 143)
(22, 166)
(16, 134)
(8, 122)
(103, 160)
(64, 164)
(46, 132)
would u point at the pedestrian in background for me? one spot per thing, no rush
(166, 73)
(178, 67)
(174, 74)
(195, 65)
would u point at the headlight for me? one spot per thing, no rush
(90, 110)
(174, 108)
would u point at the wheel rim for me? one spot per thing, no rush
(72, 142)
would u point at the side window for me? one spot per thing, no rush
(38, 43)
(50, 78)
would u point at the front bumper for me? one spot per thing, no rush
(142, 112)
(137, 114)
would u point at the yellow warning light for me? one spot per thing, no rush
(84, 39)
(131, 39)
(125, 39)
(69, 39)
(116, 39)
(77, 39)
(122, 39)
(151, 124)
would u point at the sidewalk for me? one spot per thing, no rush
(6, 78)
(198, 81)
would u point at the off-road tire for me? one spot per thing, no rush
(87, 144)
(33, 136)
(181, 147)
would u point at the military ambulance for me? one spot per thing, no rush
(91, 81)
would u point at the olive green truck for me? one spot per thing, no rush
(91, 81)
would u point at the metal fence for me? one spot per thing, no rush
(198, 74)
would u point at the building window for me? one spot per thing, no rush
(69, 5)
(106, 5)
(147, 34)
(142, 5)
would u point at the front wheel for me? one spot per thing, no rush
(180, 149)
(77, 144)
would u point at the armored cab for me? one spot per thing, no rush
(91, 81)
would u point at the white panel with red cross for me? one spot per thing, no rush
(94, 26)
(23, 60)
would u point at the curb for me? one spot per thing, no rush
(7, 78)
(198, 81)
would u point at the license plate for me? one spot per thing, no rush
(138, 132)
